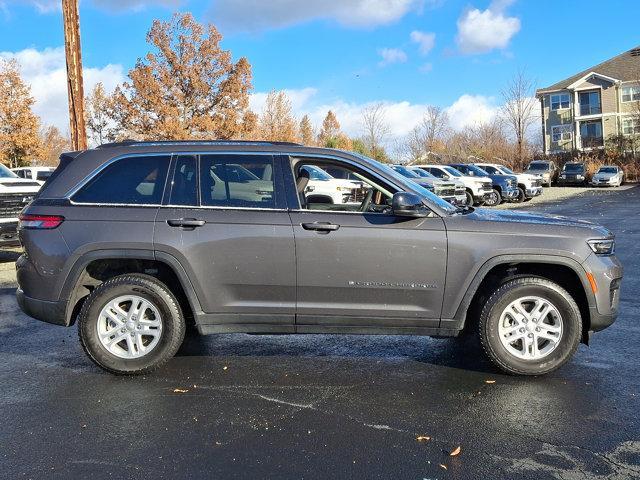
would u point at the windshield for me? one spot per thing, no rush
(316, 173)
(491, 169)
(404, 171)
(6, 173)
(421, 173)
(573, 167)
(43, 174)
(538, 166)
(402, 180)
(453, 171)
(475, 171)
(506, 170)
(608, 170)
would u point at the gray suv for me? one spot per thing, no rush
(135, 242)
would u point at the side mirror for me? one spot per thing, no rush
(406, 204)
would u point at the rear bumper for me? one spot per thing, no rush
(50, 312)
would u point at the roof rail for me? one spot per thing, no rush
(152, 143)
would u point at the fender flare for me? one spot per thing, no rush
(69, 286)
(463, 305)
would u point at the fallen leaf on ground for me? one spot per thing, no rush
(224, 368)
(489, 381)
(180, 390)
(455, 452)
(423, 438)
(443, 466)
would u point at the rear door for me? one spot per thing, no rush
(225, 220)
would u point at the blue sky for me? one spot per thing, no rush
(340, 54)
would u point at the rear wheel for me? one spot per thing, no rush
(530, 326)
(493, 199)
(131, 324)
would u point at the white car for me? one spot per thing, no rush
(608, 176)
(15, 194)
(459, 190)
(34, 173)
(324, 188)
(529, 184)
(478, 189)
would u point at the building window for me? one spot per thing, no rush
(589, 103)
(560, 101)
(561, 132)
(630, 94)
(631, 126)
(591, 134)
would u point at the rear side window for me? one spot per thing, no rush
(237, 181)
(133, 180)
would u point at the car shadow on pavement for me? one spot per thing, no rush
(459, 353)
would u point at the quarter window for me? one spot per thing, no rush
(237, 181)
(561, 132)
(631, 93)
(560, 101)
(130, 181)
(631, 126)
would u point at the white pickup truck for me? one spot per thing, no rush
(15, 194)
(529, 185)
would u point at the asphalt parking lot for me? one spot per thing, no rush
(241, 406)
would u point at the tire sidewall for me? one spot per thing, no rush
(172, 325)
(495, 196)
(571, 329)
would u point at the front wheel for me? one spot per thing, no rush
(469, 198)
(530, 326)
(521, 195)
(493, 199)
(131, 325)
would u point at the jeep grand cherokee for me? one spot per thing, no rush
(133, 241)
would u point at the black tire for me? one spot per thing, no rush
(528, 199)
(494, 198)
(521, 195)
(521, 287)
(469, 198)
(152, 290)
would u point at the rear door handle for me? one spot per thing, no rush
(322, 227)
(186, 223)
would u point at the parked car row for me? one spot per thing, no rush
(15, 193)
(577, 174)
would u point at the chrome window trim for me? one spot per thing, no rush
(220, 207)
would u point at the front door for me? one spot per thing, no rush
(226, 223)
(359, 267)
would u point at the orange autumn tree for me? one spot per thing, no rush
(53, 144)
(307, 136)
(19, 126)
(186, 88)
(277, 123)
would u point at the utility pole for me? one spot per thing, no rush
(74, 74)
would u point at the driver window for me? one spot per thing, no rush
(331, 186)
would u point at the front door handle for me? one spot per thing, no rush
(322, 227)
(186, 223)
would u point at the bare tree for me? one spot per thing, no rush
(427, 136)
(519, 110)
(375, 130)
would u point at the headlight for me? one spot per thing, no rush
(602, 247)
(580, 177)
(343, 189)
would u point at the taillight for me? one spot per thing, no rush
(40, 222)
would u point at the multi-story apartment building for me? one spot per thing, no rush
(584, 111)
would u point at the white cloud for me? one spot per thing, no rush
(391, 55)
(47, 6)
(256, 15)
(402, 116)
(425, 40)
(471, 110)
(426, 68)
(45, 71)
(483, 31)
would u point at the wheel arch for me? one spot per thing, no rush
(564, 271)
(93, 268)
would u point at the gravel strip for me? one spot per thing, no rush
(558, 194)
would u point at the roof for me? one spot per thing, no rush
(153, 143)
(624, 67)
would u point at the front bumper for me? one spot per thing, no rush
(533, 192)
(610, 182)
(607, 273)
(45, 311)
(510, 194)
(571, 181)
